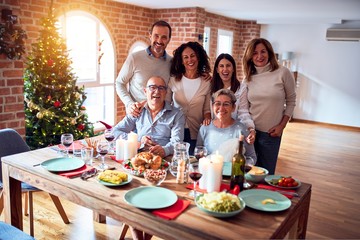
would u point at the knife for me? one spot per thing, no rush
(294, 194)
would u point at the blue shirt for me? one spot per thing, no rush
(224, 140)
(166, 129)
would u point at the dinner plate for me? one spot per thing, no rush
(253, 198)
(150, 197)
(62, 164)
(221, 214)
(109, 184)
(271, 177)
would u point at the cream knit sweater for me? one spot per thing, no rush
(271, 96)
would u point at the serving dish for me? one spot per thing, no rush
(109, 184)
(270, 178)
(220, 214)
(127, 166)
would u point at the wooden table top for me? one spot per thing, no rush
(191, 224)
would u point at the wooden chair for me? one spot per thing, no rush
(9, 232)
(12, 143)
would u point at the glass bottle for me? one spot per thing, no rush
(238, 166)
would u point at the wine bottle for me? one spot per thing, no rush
(238, 167)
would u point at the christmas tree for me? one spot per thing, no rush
(53, 102)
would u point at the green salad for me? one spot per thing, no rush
(219, 202)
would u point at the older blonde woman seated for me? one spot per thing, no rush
(223, 132)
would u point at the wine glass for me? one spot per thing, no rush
(102, 148)
(200, 151)
(195, 175)
(109, 136)
(249, 163)
(67, 139)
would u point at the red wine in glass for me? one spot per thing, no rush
(109, 138)
(247, 168)
(195, 176)
(103, 152)
(199, 155)
(66, 144)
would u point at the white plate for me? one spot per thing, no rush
(254, 197)
(109, 184)
(62, 164)
(271, 177)
(150, 197)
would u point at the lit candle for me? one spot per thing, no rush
(203, 167)
(214, 173)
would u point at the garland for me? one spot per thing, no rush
(12, 40)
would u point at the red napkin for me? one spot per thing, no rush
(76, 172)
(272, 188)
(77, 145)
(173, 211)
(117, 160)
(223, 186)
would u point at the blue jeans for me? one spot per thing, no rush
(267, 150)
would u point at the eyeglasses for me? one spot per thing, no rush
(153, 88)
(224, 104)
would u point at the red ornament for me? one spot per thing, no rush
(50, 62)
(57, 104)
(49, 98)
(81, 127)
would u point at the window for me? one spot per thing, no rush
(92, 53)
(206, 41)
(225, 42)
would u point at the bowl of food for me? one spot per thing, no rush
(220, 204)
(256, 174)
(142, 161)
(155, 176)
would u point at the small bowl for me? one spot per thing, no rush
(256, 178)
(155, 177)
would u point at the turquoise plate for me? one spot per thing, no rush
(62, 164)
(221, 214)
(227, 169)
(150, 197)
(254, 197)
(109, 184)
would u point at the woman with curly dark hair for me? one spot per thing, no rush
(188, 90)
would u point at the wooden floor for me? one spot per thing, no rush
(326, 157)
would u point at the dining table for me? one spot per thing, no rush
(192, 223)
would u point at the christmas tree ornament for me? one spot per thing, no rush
(57, 104)
(50, 62)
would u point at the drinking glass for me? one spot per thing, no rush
(249, 163)
(102, 148)
(87, 155)
(109, 136)
(200, 151)
(195, 175)
(67, 139)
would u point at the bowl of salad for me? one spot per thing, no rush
(220, 204)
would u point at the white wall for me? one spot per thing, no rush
(328, 88)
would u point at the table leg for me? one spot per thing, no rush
(12, 199)
(98, 217)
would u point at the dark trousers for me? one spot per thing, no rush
(267, 150)
(188, 139)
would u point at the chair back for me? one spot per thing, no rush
(11, 143)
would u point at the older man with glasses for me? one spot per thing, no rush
(159, 125)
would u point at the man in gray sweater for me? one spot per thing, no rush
(140, 66)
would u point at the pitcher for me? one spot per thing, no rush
(180, 161)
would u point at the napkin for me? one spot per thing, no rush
(113, 157)
(77, 172)
(173, 211)
(223, 187)
(272, 188)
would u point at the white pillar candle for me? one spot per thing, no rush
(203, 168)
(214, 173)
(130, 149)
(120, 149)
(132, 137)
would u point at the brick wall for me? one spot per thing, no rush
(126, 24)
